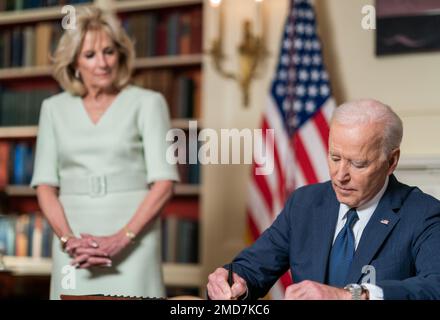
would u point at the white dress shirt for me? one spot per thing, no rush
(364, 212)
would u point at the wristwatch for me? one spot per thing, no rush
(356, 290)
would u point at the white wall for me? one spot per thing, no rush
(409, 83)
(225, 185)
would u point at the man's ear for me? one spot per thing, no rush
(393, 160)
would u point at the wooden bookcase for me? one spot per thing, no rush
(176, 274)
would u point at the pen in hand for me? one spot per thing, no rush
(231, 278)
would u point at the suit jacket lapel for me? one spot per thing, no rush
(325, 218)
(381, 223)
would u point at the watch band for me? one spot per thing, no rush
(65, 238)
(355, 290)
(366, 291)
(129, 234)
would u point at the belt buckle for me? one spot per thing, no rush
(97, 186)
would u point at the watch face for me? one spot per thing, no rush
(352, 286)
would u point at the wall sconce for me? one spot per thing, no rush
(252, 49)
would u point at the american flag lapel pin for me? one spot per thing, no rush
(385, 221)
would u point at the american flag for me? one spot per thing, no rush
(299, 109)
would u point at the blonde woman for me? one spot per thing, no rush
(100, 169)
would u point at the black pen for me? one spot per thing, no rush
(230, 275)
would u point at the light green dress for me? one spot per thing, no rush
(129, 138)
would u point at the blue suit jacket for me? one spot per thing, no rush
(405, 252)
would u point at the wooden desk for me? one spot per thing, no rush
(7, 284)
(13, 286)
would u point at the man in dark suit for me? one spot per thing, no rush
(363, 224)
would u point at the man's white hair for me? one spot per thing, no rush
(366, 111)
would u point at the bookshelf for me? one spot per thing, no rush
(135, 5)
(26, 191)
(187, 196)
(31, 131)
(18, 132)
(32, 15)
(174, 274)
(154, 62)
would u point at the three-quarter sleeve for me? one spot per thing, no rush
(46, 158)
(155, 125)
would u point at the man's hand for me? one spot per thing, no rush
(310, 290)
(218, 287)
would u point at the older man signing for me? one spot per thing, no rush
(328, 234)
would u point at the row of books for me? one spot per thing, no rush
(180, 240)
(17, 158)
(25, 235)
(188, 165)
(158, 33)
(10, 5)
(28, 45)
(30, 235)
(16, 162)
(153, 34)
(181, 90)
(22, 107)
(189, 173)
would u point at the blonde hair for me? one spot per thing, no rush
(69, 46)
(364, 111)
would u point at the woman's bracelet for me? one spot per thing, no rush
(129, 234)
(66, 238)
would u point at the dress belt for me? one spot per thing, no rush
(100, 185)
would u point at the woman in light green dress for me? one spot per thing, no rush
(100, 167)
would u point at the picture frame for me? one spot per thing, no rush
(407, 26)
